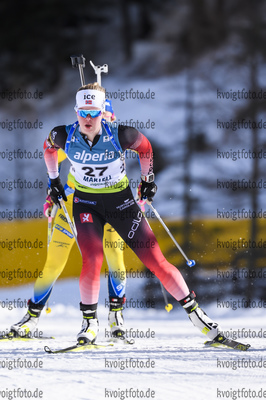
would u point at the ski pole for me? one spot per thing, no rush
(190, 263)
(70, 223)
(50, 221)
(168, 306)
(49, 237)
(49, 230)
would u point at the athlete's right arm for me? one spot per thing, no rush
(55, 140)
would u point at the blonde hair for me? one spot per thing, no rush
(92, 86)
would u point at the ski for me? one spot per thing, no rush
(78, 347)
(223, 342)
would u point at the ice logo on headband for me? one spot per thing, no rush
(89, 96)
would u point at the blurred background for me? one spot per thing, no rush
(204, 62)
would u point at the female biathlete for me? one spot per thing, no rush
(102, 195)
(58, 252)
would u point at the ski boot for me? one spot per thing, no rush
(90, 324)
(199, 318)
(115, 316)
(27, 325)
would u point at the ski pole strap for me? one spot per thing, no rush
(190, 263)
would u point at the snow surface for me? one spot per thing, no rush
(182, 367)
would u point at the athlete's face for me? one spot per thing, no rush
(88, 125)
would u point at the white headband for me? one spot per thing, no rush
(90, 97)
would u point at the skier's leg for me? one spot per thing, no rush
(114, 247)
(89, 227)
(199, 318)
(138, 235)
(57, 256)
(134, 230)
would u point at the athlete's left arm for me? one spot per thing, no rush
(131, 138)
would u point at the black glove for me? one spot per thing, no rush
(147, 190)
(57, 190)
